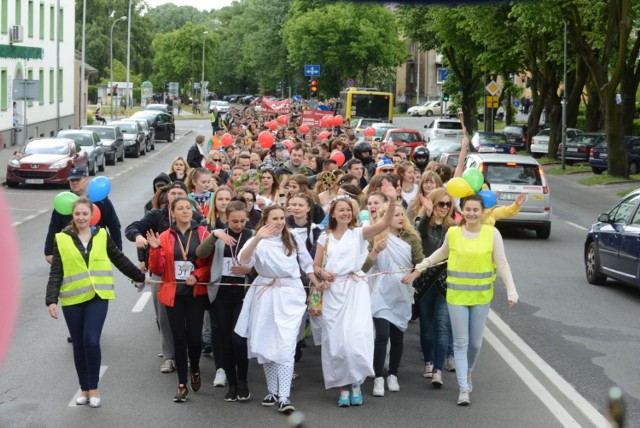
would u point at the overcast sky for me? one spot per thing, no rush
(202, 5)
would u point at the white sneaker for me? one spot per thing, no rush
(378, 387)
(463, 398)
(392, 383)
(450, 364)
(220, 379)
(168, 366)
(428, 369)
(437, 379)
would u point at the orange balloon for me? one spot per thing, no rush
(265, 138)
(95, 218)
(227, 139)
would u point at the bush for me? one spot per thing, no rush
(402, 107)
(137, 94)
(636, 127)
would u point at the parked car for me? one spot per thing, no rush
(517, 135)
(149, 132)
(511, 175)
(112, 141)
(598, 158)
(381, 128)
(164, 108)
(90, 142)
(612, 247)
(429, 108)
(404, 138)
(363, 123)
(444, 128)
(499, 115)
(440, 145)
(162, 123)
(134, 139)
(45, 161)
(579, 147)
(221, 106)
(449, 158)
(540, 143)
(490, 142)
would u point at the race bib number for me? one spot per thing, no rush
(183, 270)
(227, 264)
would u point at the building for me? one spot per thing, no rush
(419, 79)
(37, 52)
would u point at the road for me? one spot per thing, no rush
(547, 363)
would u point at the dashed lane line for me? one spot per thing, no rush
(577, 226)
(72, 403)
(30, 217)
(142, 301)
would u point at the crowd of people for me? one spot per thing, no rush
(243, 234)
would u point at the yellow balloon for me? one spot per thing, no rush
(459, 188)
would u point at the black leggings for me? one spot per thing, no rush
(385, 331)
(234, 347)
(185, 318)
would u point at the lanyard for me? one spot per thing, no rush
(234, 255)
(182, 248)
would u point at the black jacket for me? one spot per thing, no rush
(121, 261)
(194, 157)
(108, 219)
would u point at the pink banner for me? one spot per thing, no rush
(278, 107)
(313, 118)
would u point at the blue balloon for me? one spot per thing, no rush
(488, 198)
(99, 188)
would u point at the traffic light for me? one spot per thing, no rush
(445, 98)
(166, 86)
(314, 88)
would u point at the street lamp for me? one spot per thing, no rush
(128, 57)
(204, 33)
(122, 18)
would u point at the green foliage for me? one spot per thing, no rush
(92, 94)
(168, 17)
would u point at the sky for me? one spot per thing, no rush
(199, 4)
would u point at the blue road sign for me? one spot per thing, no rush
(312, 70)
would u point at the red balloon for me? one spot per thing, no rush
(95, 218)
(304, 129)
(265, 138)
(283, 119)
(323, 122)
(338, 157)
(288, 144)
(370, 132)
(272, 125)
(324, 135)
(227, 139)
(330, 121)
(337, 121)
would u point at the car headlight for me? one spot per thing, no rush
(59, 164)
(14, 163)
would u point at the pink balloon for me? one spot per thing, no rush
(337, 121)
(304, 129)
(9, 290)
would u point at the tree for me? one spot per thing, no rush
(169, 17)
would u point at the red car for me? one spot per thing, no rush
(404, 138)
(45, 161)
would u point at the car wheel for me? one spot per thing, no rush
(121, 156)
(544, 231)
(12, 184)
(143, 149)
(429, 113)
(592, 268)
(136, 152)
(171, 137)
(92, 169)
(153, 144)
(102, 164)
(597, 171)
(115, 159)
(633, 168)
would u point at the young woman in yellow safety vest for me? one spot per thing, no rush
(81, 278)
(474, 251)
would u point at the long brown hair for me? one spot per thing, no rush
(436, 196)
(288, 241)
(355, 210)
(213, 213)
(275, 186)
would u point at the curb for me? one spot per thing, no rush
(621, 182)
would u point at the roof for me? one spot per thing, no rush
(504, 158)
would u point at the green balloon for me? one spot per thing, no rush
(475, 179)
(63, 202)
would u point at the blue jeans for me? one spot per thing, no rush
(85, 321)
(467, 323)
(434, 327)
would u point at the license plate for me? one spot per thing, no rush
(603, 155)
(572, 149)
(508, 196)
(34, 181)
(450, 135)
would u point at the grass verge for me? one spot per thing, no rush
(570, 169)
(605, 179)
(625, 192)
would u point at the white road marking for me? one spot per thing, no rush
(142, 301)
(72, 403)
(553, 376)
(30, 217)
(577, 226)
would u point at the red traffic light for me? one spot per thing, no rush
(314, 83)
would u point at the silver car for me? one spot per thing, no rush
(90, 142)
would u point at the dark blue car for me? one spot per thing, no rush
(612, 248)
(598, 156)
(490, 142)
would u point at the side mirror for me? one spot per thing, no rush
(426, 126)
(99, 144)
(604, 218)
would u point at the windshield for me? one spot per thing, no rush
(104, 133)
(543, 133)
(449, 125)
(46, 148)
(370, 105)
(408, 137)
(127, 128)
(81, 139)
(493, 139)
(512, 173)
(512, 130)
(589, 140)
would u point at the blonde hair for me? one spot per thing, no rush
(186, 166)
(407, 227)
(415, 206)
(436, 196)
(213, 213)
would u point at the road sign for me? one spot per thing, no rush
(26, 90)
(492, 101)
(312, 70)
(350, 82)
(492, 88)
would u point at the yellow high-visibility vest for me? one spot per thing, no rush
(470, 268)
(80, 283)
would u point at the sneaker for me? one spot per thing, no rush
(344, 400)
(469, 383)
(220, 379)
(182, 394)
(356, 395)
(285, 406)
(428, 370)
(437, 378)
(196, 381)
(232, 394)
(463, 398)
(270, 400)
(392, 383)
(450, 364)
(168, 366)
(243, 391)
(378, 387)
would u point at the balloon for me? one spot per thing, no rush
(99, 188)
(338, 157)
(459, 188)
(369, 132)
(337, 121)
(324, 135)
(63, 202)
(488, 198)
(283, 119)
(474, 177)
(95, 218)
(10, 267)
(288, 144)
(265, 138)
(330, 121)
(304, 129)
(272, 125)
(227, 139)
(324, 122)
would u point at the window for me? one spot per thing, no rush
(60, 92)
(30, 77)
(30, 19)
(4, 18)
(4, 99)
(18, 12)
(52, 85)
(622, 213)
(41, 21)
(52, 22)
(41, 78)
(60, 24)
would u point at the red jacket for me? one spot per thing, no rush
(161, 262)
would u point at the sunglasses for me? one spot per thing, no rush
(442, 204)
(216, 159)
